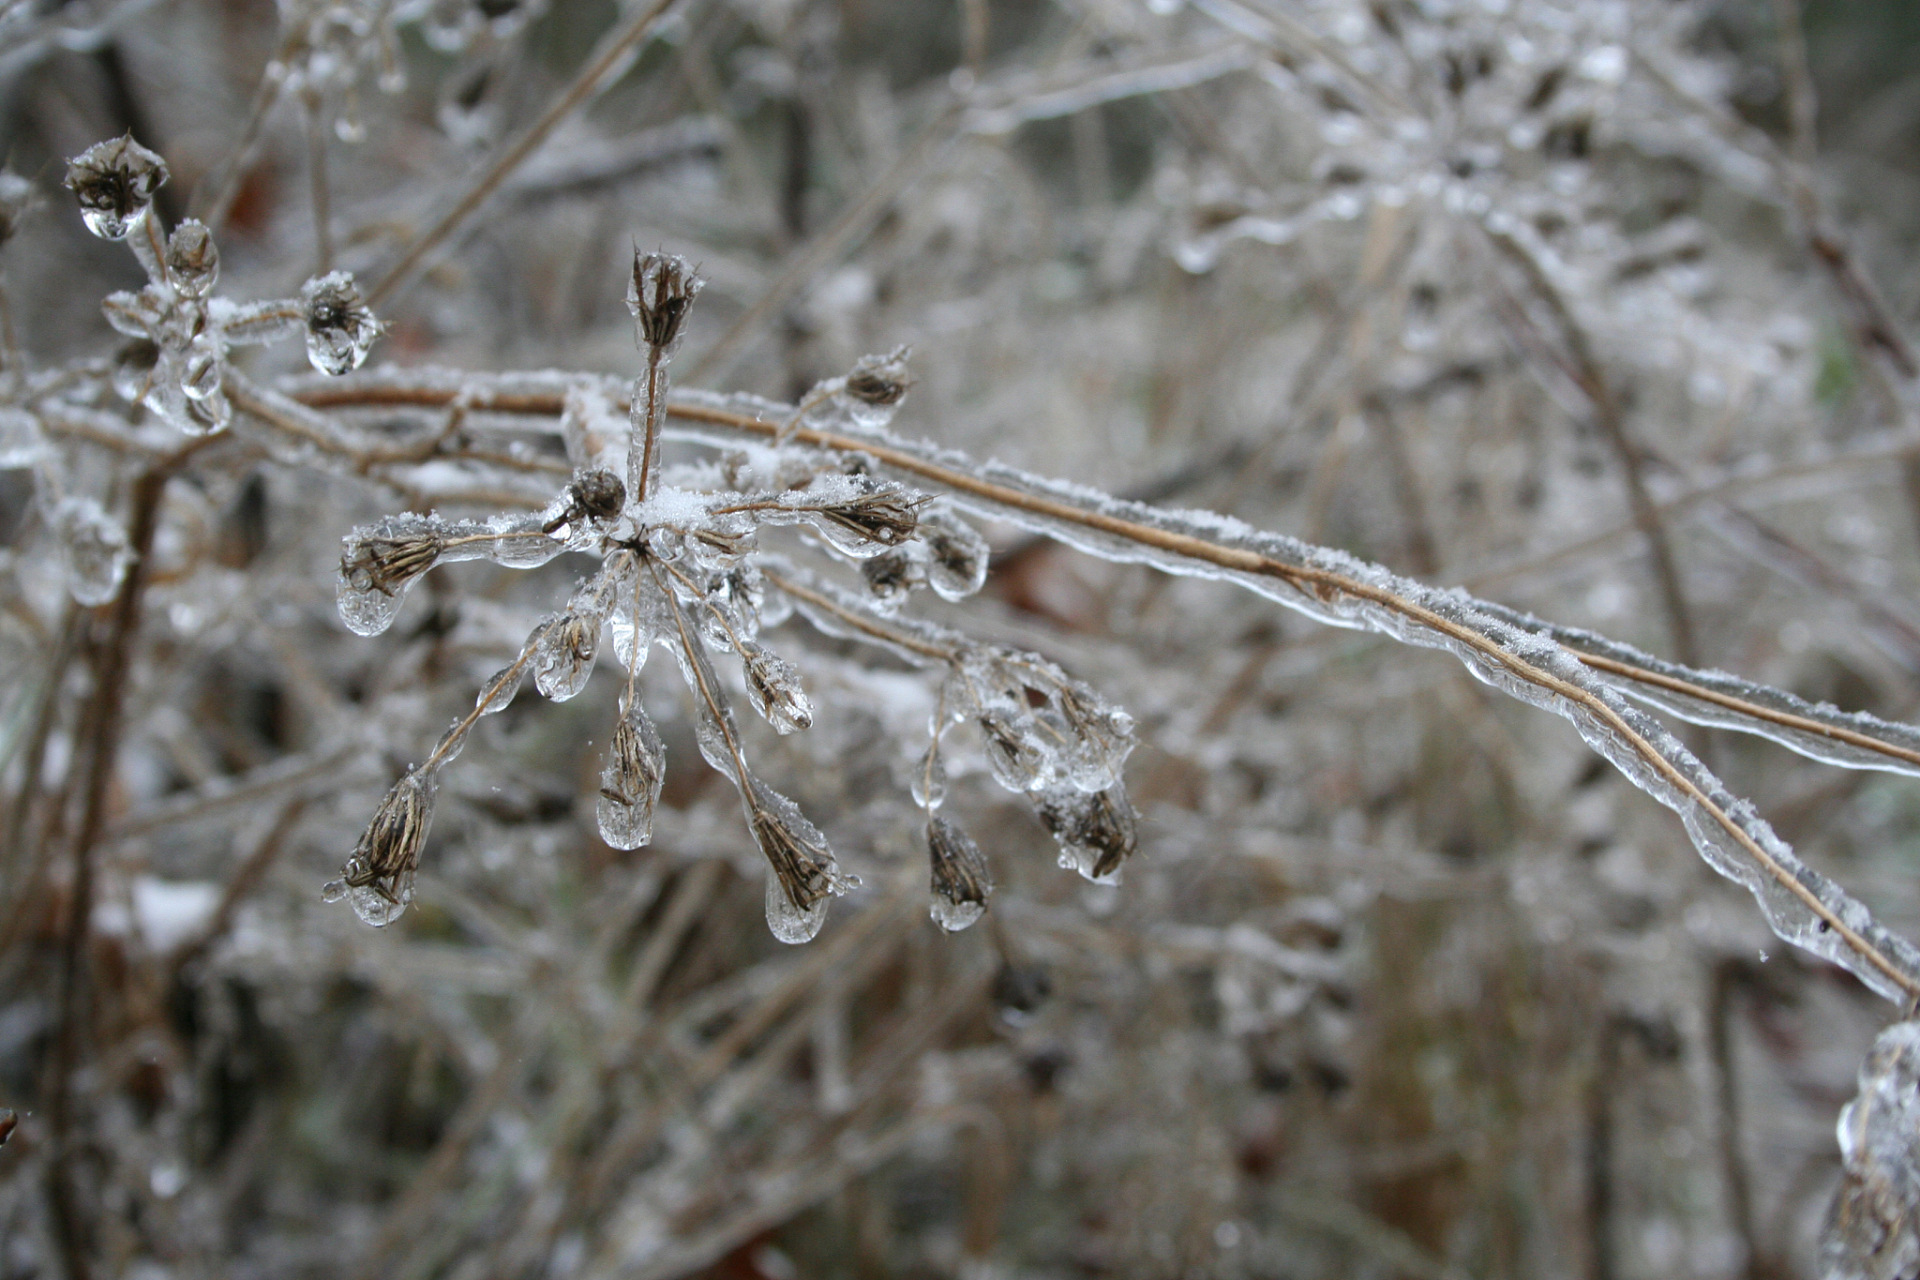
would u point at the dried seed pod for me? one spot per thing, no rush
(114, 182)
(193, 260)
(802, 873)
(340, 328)
(563, 659)
(956, 556)
(1095, 830)
(773, 686)
(597, 494)
(378, 877)
(891, 577)
(377, 567)
(961, 882)
(660, 295)
(885, 516)
(630, 782)
(881, 380)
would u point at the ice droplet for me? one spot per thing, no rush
(929, 783)
(956, 557)
(791, 924)
(340, 328)
(630, 782)
(94, 549)
(961, 883)
(773, 686)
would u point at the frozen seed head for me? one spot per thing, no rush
(881, 381)
(801, 861)
(597, 494)
(16, 193)
(961, 884)
(114, 182)
(378, 877)
(340, 328)
(773, 684)
(660, 295)
(1095, 831)
(193, 260)
(388, 564)
(630, 782)
(888, 515)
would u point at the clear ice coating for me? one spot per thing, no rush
(563, 658)
(1872, 1231)
(1800, 905)
(340, 328)
(956, 556)
(379, 563)
(630, 781)
(93, 549)
(929, 783)
(801, 873)
(1096, 831)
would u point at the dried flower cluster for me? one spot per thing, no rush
(682, 566)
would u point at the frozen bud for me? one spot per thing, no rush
(94, 549)
(1095, 831)
(956, 557)
(961, 884)
(193, 261)
(802, 873)
(891, 576)
(630, 782)
(378, 877)
(564, 658)
(660, 295)
(597, 494)
(377, 567)
(881, 381)
(773, 685)
(114, 182)
(16, 193)
(1019, 759)
(888, 515)
(133, 367)
(340, 329)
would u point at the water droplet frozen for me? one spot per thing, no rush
(93, 548)
(378, 877)
(961, 884)
(956, 557)
(929, 782)
(498, 692)
(340, 328)
(630, 781)
(773, 686)
(114, 182)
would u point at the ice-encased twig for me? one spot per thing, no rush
(1801, 905)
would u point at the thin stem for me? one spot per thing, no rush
(459, 731)
(317, 185)
(647, 416)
